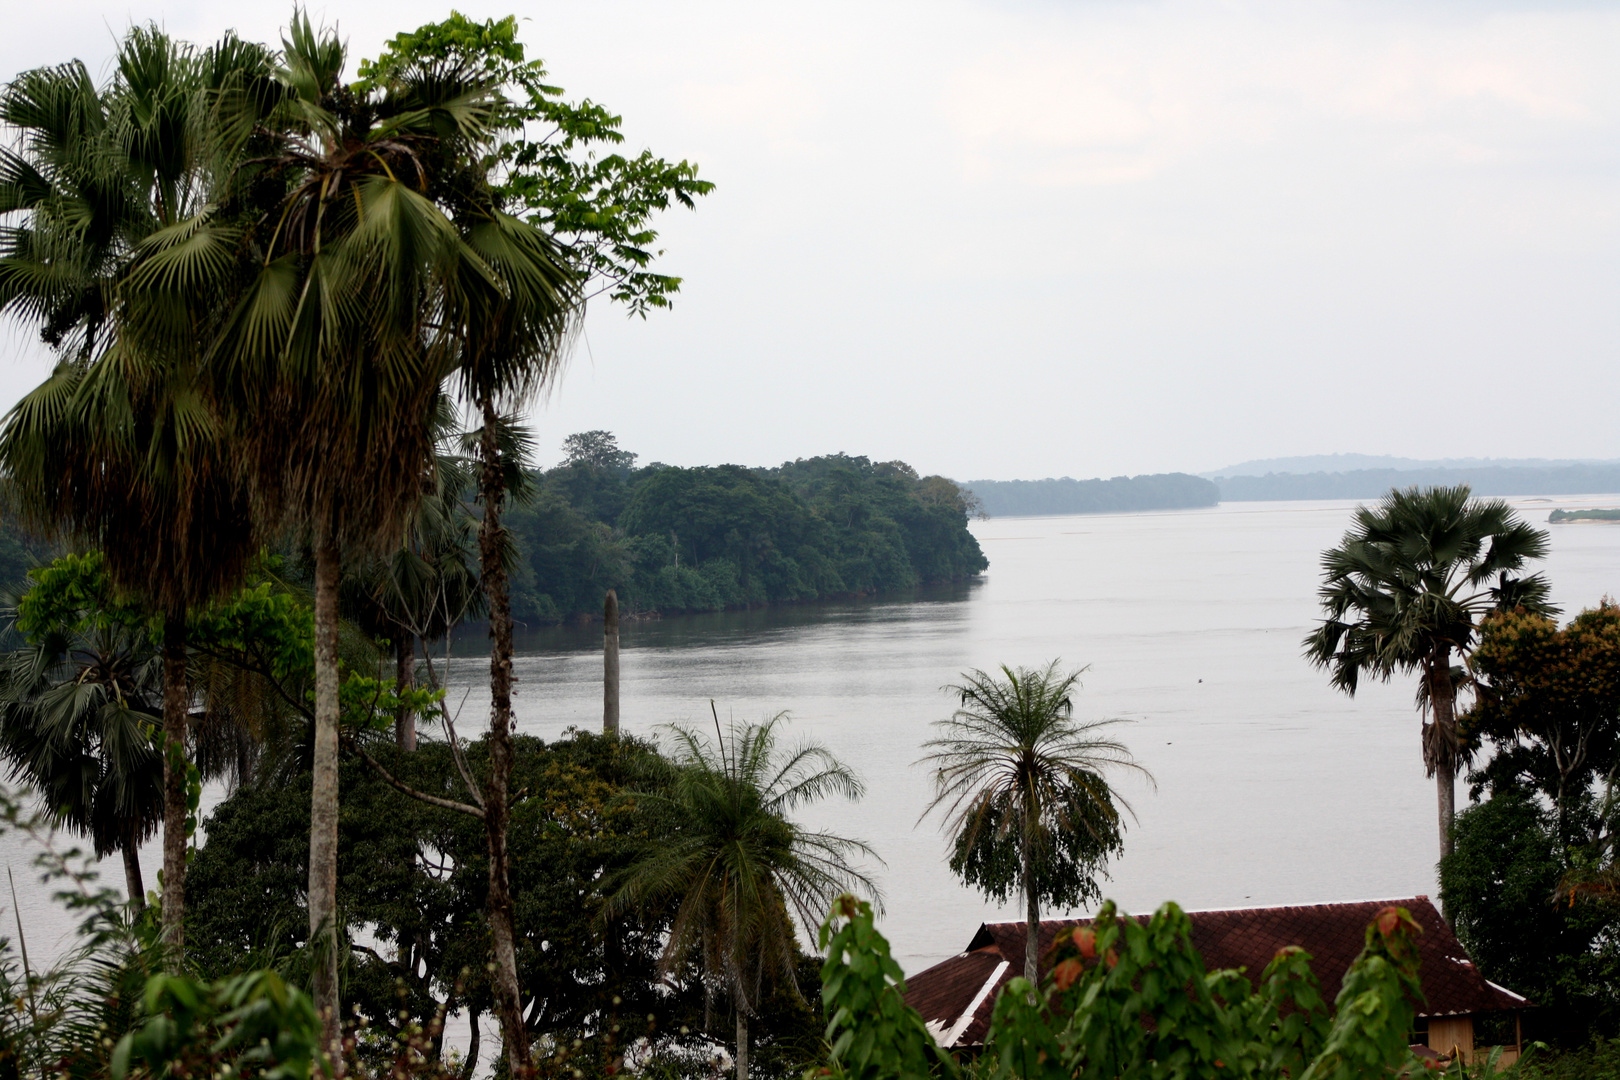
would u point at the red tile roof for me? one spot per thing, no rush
(956, 997)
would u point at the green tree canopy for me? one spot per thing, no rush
(1548, 703)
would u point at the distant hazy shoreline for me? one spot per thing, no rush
(1183, 491)
(1371, 483)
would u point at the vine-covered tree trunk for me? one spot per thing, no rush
(404, 679)
(129, 845)
(176, 706)
(323, 810)
(508, 1004)
(610, 664)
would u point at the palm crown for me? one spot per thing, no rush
(734, 865)
(1414, 575)
(1020, 783)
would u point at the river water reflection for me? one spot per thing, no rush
(1271, 787)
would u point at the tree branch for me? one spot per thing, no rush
(401, 786)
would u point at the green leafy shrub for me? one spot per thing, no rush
(1129, 999)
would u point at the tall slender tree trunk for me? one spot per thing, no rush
(129, 845)
(1032, 919)
(404, 679)
(610, 664)
(471, 1064)
(1445, 782)
(323, 808)
(1443, 700)
(742, 1042)
(176, 705)
(508, 1003)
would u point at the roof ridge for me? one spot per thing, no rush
(1252, 907)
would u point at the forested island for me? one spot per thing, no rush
(1560, 516)
(1028, 498)
(673, 539)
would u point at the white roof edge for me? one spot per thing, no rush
(973, 1006)
(1509, 993)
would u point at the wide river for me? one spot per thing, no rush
(1269, 786)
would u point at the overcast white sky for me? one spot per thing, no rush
(1020, 239)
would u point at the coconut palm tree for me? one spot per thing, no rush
(1405, 591)
(117, 449)
(1020, 783)
(734, 866)
(80, 707)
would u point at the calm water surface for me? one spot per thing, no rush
(1271, 787)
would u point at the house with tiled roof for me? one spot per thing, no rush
(1462, 1009)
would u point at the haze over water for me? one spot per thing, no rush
(1272, 787)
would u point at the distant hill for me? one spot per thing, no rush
(1342, 463)
(1542, 479)
(1160, 491)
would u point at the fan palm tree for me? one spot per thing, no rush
(1405, 591)
(734, 865)
(79, 711)
(1020, 783)
(335, 347)
(118, 449)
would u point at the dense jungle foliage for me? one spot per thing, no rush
(19, 552)
(412, 884)
(673, 539)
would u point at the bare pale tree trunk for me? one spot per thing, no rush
(610, 664)
(1032, 917)
(404, 679)
(1442, 745)
(1445, 782)
(742, 1042)
(497, 812)
(176, 706)
(130, 846)
(323, 809)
